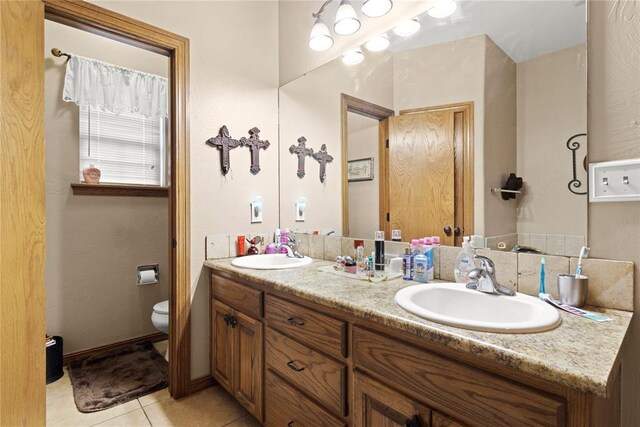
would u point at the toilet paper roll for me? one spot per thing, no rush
(147, 277)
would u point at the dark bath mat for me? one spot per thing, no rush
(115, 377)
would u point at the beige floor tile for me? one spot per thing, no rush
(247, 421)
(161, 346)
(135, 418)
(59, 388)
(212, 407)
(62, 411)
(154, 397)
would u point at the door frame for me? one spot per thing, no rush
(22, 160)
(351, 104)
(463, 164)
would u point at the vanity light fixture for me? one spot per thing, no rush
(353, 57)
(378, 43)
(320, 38)
(347, 22)
(407, 28)
(443, 9)
(376, 8)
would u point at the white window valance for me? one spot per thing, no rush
(92, 83)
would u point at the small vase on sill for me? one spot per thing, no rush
(91, 175)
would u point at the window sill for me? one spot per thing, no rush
(128, 190)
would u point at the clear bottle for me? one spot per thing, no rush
(427, 249)
(465, 262)
(407, 265)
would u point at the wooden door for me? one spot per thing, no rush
(376, 405)
(222, 354)
(248, 354)
(422, 174)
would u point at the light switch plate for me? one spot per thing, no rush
(256, 212)
(300, 210)
(617, 181)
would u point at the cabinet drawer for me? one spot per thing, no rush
(307, 326)
(285, 407)
(313, 373)
(473, 395)
(241, 297)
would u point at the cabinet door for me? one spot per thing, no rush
(222, 357)
(376, 405)
(249, 366)
(441, 420)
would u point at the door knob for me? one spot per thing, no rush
(447, 230)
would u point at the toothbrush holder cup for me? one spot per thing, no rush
(573, 289)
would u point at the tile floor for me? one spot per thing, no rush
(212, 407)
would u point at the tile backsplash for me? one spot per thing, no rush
(610, 282)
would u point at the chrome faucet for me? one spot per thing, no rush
(292, 247)
(483, 279)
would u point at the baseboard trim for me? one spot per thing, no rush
(201, 383)
(83, 354)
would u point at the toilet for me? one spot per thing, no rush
(160, 319)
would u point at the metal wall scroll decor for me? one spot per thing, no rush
(255, 145)
(574, 145)
(302, 152)
(225, 143)
(323, 158)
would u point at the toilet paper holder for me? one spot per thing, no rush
(148, 274)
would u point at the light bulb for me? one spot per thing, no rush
(376, 8)
(320, 38)
(443, 9)
(353, 57)
(407, 28)
(346, 19)
(378, 43)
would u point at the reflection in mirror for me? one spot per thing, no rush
(496, 89)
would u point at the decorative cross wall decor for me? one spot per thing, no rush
(255, 144)
(301, 151)
(224, 143)
(323, 158)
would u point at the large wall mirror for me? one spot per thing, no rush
(426, 134)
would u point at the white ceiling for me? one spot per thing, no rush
(523, 29)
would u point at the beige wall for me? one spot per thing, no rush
(310, 107)
(234, 81)
(94, 244)
(447, 73)
(499, 144)
(297, 59)
(364, 196)
(552, 106)
(614, 99)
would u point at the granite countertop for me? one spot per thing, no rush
(580, 353)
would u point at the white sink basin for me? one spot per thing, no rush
(453, 304)
(270, 262)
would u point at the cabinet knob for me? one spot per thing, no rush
(292, 365)
(295, 321)
(233, 322)
(415, 421)
(227, 319)
(447, 230)
(456, 231)
(290, 424)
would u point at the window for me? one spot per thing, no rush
(128, 148)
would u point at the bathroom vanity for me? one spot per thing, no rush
(304, 348)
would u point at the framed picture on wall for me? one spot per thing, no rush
(360, 169)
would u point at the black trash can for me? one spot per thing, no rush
(54, 360)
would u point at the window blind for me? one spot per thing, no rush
(128, 148)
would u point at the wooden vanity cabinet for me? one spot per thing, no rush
(237, 347)
(322, 367)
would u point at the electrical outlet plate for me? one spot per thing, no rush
(300, 210)
(256, 212)
(617, 181)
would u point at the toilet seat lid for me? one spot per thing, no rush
(162, 307)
